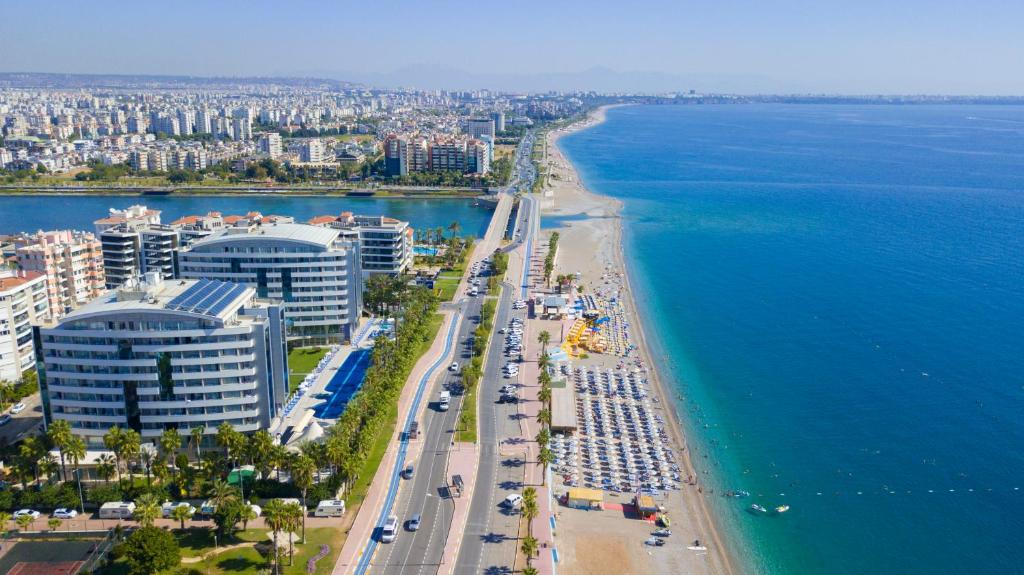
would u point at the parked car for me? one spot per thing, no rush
(5, 418)
(18, 407)
(65, 513)
(27, 512)
(512, 501)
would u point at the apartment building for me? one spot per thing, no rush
(161, 355)
(385, 244)
(314, 270)
(477, 127)
(134, 242)
(23, 302)
(72, 262)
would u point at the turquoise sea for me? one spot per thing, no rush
(838, 295)
(31, 213)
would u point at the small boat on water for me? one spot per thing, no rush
(782, 509)
(758, 509)
(737, 494)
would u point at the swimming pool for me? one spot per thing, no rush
(345, 383)
(424, 251)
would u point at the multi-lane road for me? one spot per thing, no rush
(489, 540)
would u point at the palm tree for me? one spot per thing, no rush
(543, 338)
(54, 523)
(76, 452)
(147, 510)
(543, 361)
(59, 434)
(274, 516)
(530, 508)
(545, 457)
(112, 440)
(197, 438)
(24, 521)
(529, 570)
(544, 394)
(170, 441)
(293, 515)
(181, 513)
(529, 548)
(105, 465)
(544, 416)
(303, 470)
(221, 492)
(454, 228)
(147, 462)
(543, 437)
(131, 444)
(248, 514)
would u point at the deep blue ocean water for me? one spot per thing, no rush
(31, 213)
(839, 293)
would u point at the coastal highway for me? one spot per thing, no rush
(489, 542)
(427, 493)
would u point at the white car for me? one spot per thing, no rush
(390, 530)
(26, 513)
(512, 501)
(18, 407)
(454, 366)
(65, 513)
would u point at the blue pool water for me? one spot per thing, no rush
(837, 294)
(345, 383)
(424, 251)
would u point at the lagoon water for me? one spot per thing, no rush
(839, 293)
(31, 213)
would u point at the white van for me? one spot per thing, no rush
(330, 508)
(117, 510)
(445, 401)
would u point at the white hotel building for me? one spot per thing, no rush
(313, 270)
(165, 355)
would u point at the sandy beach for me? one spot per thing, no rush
(591, 245)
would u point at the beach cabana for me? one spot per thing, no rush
(645, 506)
(585, 498)
(563, 408)
(556, 306)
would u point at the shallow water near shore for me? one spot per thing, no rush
(837, 294)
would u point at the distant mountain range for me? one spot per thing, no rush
(598, 79)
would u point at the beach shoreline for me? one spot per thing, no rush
(603, 227)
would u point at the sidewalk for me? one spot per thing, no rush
(366, 519)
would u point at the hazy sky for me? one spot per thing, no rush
(838, 46)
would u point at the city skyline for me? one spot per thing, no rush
(871, 48)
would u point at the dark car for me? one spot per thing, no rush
(414, 522)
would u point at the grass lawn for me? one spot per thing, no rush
(446, 285)
(467, 419)
(301, 361)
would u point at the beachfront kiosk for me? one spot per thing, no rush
(585, 498)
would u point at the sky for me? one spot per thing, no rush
(966, 47)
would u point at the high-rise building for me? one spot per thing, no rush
(23, 303)
(478, 158)
(448, 155)
(419, 155)
(396, 156)
(313, 270)
(203, 121)
(312, 151)
(165, 355)
(476, 127)
(72, 262)
(499, 121)
(270, 144)
(241, 129)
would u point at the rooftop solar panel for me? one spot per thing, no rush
(211, 295)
